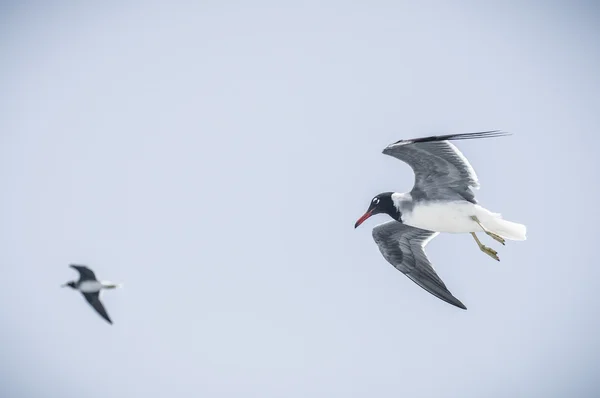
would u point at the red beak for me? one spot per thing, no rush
(368, 214)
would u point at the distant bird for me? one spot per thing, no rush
(441, 200)
(90, 287)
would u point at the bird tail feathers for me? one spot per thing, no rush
(506, 229)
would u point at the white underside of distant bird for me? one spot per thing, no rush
(455, 217)
(96, 286)
(442, 200)
(91, 288)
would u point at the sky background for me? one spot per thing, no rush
(214, 158)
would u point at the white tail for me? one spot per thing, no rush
(506, 229)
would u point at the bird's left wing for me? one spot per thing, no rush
(85, 274)
(94, 300)
(441, 170)
(403, 247)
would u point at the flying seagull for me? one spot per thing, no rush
(90, 287)
(441, 200)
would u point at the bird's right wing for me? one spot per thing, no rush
(85, 274)
(94, 300)
(403, 247)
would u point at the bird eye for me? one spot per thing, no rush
(375, 200)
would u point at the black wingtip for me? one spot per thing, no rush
(459, 136)
(453, 301)
(477, 135)
(450, 299)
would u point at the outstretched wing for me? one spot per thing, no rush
(403, 247)
(441, 170)
(94, 300)
(85, 274)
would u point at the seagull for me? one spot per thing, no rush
(441, 200)
(90, 287)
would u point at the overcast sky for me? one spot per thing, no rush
(214, 158)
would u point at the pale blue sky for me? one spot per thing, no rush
(214, 158)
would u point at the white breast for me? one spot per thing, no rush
(453, 217)
(90, 286)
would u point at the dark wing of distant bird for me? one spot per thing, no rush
(403, 247)
(94, 300)
(85, 274)
(441, 170)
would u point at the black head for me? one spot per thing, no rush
(381, 203)
(71, 284)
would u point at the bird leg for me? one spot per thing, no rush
(489, 251)
(493, 235)
(110, 285)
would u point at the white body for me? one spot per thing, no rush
(90, 286)
(455, 217)
(95, 286)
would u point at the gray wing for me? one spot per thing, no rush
(403, 247)
(441, 170)
(94, 300)
(85, 274)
